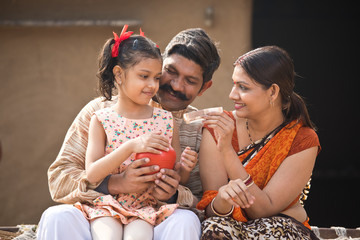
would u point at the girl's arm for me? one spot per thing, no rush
(188, 162)
(187, 158)
(175, 143)
(97, 165)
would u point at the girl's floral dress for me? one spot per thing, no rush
(130, 206)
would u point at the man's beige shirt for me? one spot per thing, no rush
(66, 175)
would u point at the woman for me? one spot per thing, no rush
(256, 160)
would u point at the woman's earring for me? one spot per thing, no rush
(271, 103)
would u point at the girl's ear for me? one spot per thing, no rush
(117, 71)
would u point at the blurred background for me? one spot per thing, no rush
(48, 64)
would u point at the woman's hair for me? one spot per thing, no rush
(131, 52)
(195, 45)
(272, 65)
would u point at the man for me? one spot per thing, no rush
(190, 59)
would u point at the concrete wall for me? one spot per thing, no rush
(47, 74)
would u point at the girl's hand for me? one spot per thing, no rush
(152, 143)
(223, 126)
(236, 193)
(188, 159)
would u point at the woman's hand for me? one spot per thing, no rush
(152, 143)
(237, 194)
(223, 126)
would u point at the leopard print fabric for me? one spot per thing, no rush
(276, 227)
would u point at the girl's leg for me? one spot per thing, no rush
(107, 228)
(138, 230)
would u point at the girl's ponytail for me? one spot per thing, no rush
(105, 72)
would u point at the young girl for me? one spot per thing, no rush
(131, 65)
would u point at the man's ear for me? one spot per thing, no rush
(117, 71)
(205, 87)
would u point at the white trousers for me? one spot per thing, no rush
(63, 222)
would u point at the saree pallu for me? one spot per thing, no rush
(261, 168)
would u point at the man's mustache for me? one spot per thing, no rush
(167, 87)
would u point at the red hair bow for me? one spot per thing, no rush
(143, 34)
(118, 39)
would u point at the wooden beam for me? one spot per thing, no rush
(69, 23)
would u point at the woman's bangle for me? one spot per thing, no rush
(250, 184)
(248, 181)
(219, 214)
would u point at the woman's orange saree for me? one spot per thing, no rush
(263, 165)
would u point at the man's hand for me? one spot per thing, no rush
(166, 183)
(134, 179)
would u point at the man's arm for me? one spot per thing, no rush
(66, 175)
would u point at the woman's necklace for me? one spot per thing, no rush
(252, 143)
(248, 131)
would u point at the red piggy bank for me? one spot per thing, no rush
(163, 160)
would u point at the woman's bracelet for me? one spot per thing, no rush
(219, 214)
